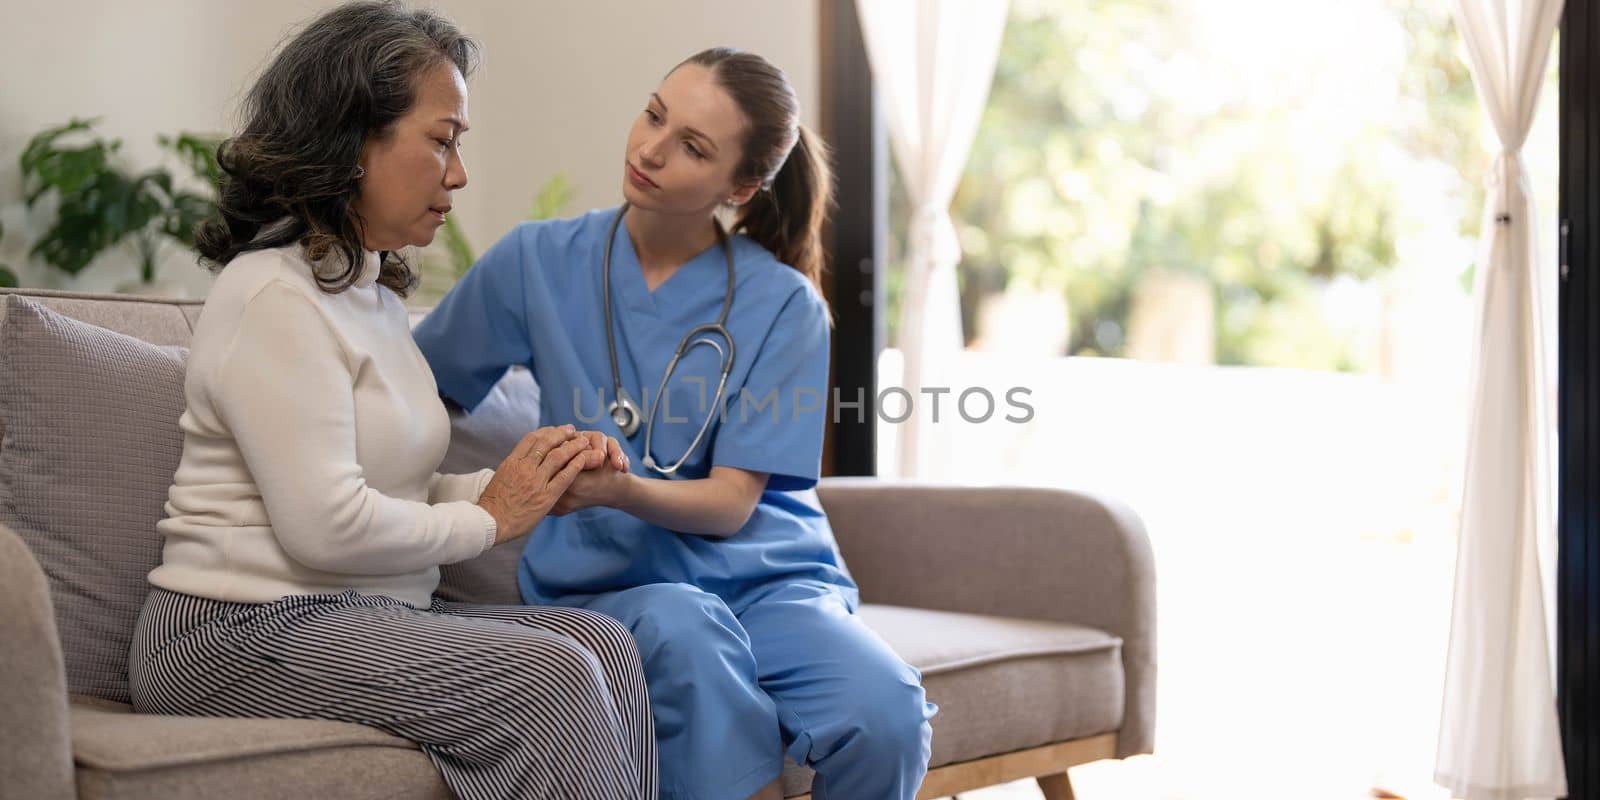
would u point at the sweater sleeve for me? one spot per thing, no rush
(448, 488)
(285, 392)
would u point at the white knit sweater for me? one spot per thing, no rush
(312, 431)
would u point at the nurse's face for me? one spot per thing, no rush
(684, 147)
(412, 169)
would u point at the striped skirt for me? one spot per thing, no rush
(508, 702)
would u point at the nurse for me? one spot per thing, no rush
(710, 544)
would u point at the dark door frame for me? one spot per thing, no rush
(1578, 371)
(852, 124)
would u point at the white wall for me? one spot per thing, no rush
(560, 85)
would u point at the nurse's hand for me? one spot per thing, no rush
(528, 483)
(604, 478)
(604, 449)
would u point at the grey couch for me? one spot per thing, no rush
(1030, 612)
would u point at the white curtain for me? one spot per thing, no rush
(933, 62)
(1499, 734)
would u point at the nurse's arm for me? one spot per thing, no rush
(717, 506)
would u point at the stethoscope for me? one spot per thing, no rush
(624, 412)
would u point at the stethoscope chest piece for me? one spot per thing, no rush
(625, 414)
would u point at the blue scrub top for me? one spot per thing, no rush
(534, 299)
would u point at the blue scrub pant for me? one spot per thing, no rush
(785, 668)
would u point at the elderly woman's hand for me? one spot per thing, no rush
(530, 481)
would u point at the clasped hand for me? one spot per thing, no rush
(602, 481)
(553, 470)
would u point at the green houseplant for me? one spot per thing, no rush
(99, 204)
(8, 279)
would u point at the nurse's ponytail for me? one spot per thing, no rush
(786, 217)
(786, 158)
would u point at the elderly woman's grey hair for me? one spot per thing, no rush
(289, 172)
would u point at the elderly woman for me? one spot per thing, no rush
(306, 524)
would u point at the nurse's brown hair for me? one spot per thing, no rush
(786, 158)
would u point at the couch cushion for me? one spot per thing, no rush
(90, 446)
(160, 322)
(1000, 684)
(163, 322)
(123, 755)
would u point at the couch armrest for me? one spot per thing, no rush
(36, 739)
(1045, 554)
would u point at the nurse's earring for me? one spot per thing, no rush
(360, 173)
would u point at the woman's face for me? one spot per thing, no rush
(413, 168)
(684, 147)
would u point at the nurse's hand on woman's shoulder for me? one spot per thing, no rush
(529, 482)
(603, 480)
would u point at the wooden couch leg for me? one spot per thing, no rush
(1056, 787)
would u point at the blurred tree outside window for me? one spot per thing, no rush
(1232, 181)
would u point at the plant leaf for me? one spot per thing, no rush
(46, 166)
(8, 279)
(90, 221)
(67, 171)
(457, 246)
(199, 152)
(42, 141)
(185, 214)
(553, 197)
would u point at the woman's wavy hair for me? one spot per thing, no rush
(289, 173)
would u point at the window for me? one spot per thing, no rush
(1229, 247)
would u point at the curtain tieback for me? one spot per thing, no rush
(933, 233)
